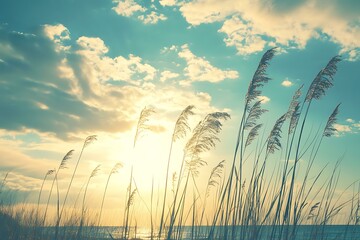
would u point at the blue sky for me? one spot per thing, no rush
(70, 69)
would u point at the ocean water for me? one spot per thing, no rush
(303, 232)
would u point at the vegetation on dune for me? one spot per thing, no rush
(274, 189)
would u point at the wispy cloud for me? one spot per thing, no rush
(351, 127)
(350, 120)
(165, 75)
(264, 99)
(152, 18)
(200, 69)
(58, 34)
(105, 68)
(342, 129)
(168, 2)
(128, 8)
(287, 83)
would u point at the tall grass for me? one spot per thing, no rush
(114, 170)
(87, 142)
(62, 165)
(83, 207)
(142, 127)
(180, 130)
(271, 181)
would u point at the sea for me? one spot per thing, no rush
(302, 232)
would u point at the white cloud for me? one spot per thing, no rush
(165, 75)
(207, 11)
(127, 7)
(287, 83)
(349, 120)
(199, 69)
(352, 55)
(341, 129)
(95, 45)
(169, 49)
(152, 18)
(168, 2)
(242, 35)
(105, 68)
(352, 127)
(263, 99)
(58, 34)
(249, 24)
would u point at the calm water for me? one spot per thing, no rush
(308, 232)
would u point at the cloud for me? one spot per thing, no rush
(349, 120)
(82, 91)
(94, 45)
(168, 2)
(169, 49)
(351, 127)
(199, 69)
(241, 34)
(104, 68)
(287, 83)
(165, 75)
(127, 7)
(342, 129)
(22, 167)
(264, 99)
(208, 11)
(250, 26)
(34, 95)
(152, 18)
(58, 34)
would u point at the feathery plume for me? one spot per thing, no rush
(65, 159)
(294, 118)
(274, 137)
(294, 110)
(95, 171)
(89, 140)
(50, 172)
(294, 102)
(323, 80)
(254, 114)
(143, 119)
(182, 126)
(116, 168)
(203, 139)
(254, 132)
(214, 175)
(329, 128)
(259, 77)
(131, 198)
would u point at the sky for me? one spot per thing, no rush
(70, 69)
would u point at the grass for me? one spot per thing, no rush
(266, 202)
